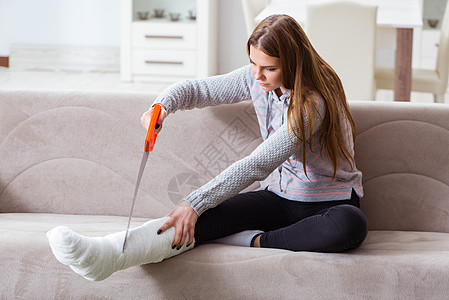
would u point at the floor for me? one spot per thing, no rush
(47, 80)
(110, 81)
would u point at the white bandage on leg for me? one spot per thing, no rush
(96, 258)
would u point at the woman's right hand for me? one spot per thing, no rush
(183, 218)
(146, 117)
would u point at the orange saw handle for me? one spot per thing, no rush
(150, 139)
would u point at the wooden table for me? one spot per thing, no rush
(403, 15)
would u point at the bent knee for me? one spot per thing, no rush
(353, 225)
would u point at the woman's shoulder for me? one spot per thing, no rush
(321, 106)
(318, 101)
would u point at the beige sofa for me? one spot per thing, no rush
(71, 158)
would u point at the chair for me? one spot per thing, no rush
(426, 81)
(344, 34)
(251, 8)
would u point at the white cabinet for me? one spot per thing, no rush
(159, 49)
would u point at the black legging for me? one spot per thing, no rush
(331, 226)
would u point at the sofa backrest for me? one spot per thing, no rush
(402, 150)
(79, 153)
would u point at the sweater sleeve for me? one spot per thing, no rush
(256, 167)
(221, 89)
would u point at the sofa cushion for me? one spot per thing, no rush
(388, 263)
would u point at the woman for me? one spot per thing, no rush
(311, 188)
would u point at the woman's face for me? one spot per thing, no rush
(266, 69)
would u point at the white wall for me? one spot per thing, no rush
(97, 23)
(59, 22)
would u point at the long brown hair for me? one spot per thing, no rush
(304, 71)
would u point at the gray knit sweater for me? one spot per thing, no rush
(276, 162)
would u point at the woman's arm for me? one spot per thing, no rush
(256, 167)
(221, 89)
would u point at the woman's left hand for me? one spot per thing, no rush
(183, 218)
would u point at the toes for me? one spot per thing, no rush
(63, 242)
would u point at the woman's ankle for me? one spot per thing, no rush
(256, 241)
